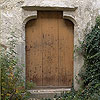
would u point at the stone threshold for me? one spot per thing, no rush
(44, 91)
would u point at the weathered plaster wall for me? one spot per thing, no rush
(12, 20)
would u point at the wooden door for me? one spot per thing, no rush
(49, 50)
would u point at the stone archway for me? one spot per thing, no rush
(67, 14)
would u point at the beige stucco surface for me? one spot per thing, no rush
(11, 20)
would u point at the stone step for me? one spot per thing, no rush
(38, 94)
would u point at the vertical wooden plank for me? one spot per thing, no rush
(34, 52)
(50, 48)
(66, 37)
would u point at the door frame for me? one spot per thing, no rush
(68, 13)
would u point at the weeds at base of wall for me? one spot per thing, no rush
(12, 83)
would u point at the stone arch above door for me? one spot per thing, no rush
(30, 12)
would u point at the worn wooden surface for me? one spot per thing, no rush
(49, 50)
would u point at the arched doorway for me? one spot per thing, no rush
(49, 50)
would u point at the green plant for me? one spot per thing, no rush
(30, 85)
(90, 73)
(12, 83)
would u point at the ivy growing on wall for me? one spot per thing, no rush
(90, 73)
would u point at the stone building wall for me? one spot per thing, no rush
(11, 20)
